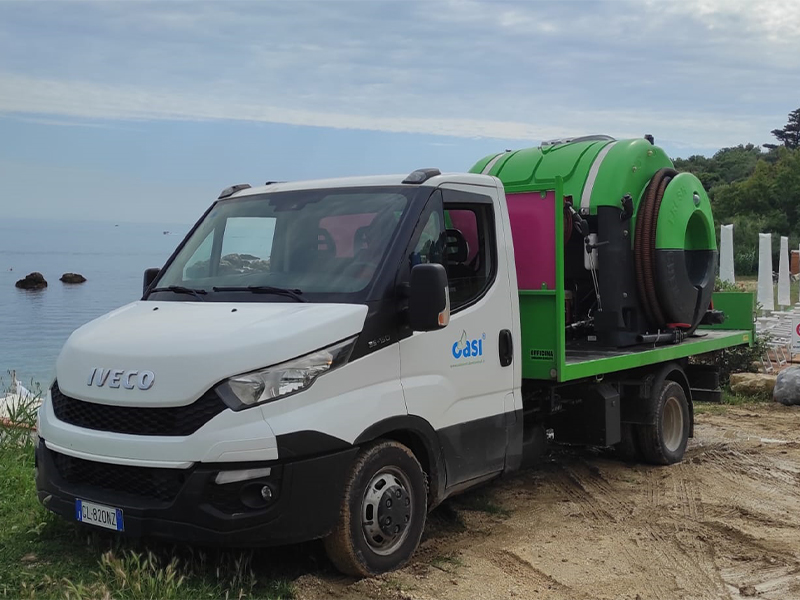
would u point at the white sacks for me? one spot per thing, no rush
(726, 254)
(766, 293)
(784, 298)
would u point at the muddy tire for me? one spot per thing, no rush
(664, 442)
(382, 513)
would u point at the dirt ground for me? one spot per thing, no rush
(725, 523)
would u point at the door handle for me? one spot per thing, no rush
(506, 347)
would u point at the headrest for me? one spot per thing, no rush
(456, 247)
(360, 239)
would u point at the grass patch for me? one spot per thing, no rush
(448, 563)
(710, 408)
(44, 556)
(732, 399)
(481, 501)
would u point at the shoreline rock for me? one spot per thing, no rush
(72, 278)
(32, 281)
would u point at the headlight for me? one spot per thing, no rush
(296, 375)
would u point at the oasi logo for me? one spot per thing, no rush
(465, 347)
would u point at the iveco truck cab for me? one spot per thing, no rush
(332, 359)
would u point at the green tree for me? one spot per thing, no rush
(727, 166)
(789, 135)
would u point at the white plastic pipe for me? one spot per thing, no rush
(766, 293)
(726, 254)
(784, 298)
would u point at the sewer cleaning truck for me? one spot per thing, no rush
(332, 359)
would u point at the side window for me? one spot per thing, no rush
(247, 245)
(428, 248)
(470, 247)
(427, 243)
(199, 265)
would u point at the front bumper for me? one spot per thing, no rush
(186, 505)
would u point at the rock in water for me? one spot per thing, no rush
(73, 278)
(787, 387)
(32, 281)
(750, 384)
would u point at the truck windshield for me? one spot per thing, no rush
(288, 244)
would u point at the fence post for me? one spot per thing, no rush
(766, 291)
(784, 297)
(726, 254)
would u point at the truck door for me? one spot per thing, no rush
(455, 378)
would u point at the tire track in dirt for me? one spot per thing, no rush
(523, 572)
(722, 524)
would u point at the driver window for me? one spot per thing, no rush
(469, 249)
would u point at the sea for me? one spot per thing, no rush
(112, 256)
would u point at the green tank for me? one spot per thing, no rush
(625, 206)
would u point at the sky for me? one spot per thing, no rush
(139, 111)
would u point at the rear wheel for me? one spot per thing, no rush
(664, 442)
(382, 514)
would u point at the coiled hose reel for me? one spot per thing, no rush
(675, 253)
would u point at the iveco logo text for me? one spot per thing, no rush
(465, 347)
(117, 377)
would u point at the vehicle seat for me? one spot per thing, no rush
(456, 254)
(360, 240)
(315, 253)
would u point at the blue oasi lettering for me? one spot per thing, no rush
(465, 347)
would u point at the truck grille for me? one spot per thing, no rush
(178, 420)
(160, 484)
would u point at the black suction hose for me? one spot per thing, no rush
(644, 246)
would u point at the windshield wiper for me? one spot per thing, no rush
(263, 289)
(179, 289)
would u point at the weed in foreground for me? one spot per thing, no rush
(448, 563)
(480, 501)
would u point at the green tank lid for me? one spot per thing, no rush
(685, 221)
(596, 170)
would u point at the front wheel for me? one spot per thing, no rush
(664, 442)
(382, 514)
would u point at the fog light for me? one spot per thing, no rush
(266, 493)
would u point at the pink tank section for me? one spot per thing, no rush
(532, 217)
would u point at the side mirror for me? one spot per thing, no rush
(149, 277)
(429, 298)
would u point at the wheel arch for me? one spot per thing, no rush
(418, 435)
(648, 382)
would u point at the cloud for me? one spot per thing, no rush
(705, 74)
(778, 21)
(86, 100)
(62, 122)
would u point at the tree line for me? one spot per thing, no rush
(757, 188)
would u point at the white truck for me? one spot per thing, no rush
(327, 359)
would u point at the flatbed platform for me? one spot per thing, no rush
(585, 359)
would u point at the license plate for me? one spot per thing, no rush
(97, 514)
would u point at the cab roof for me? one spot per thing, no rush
(367, 181)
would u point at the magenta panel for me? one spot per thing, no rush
(533, 231)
